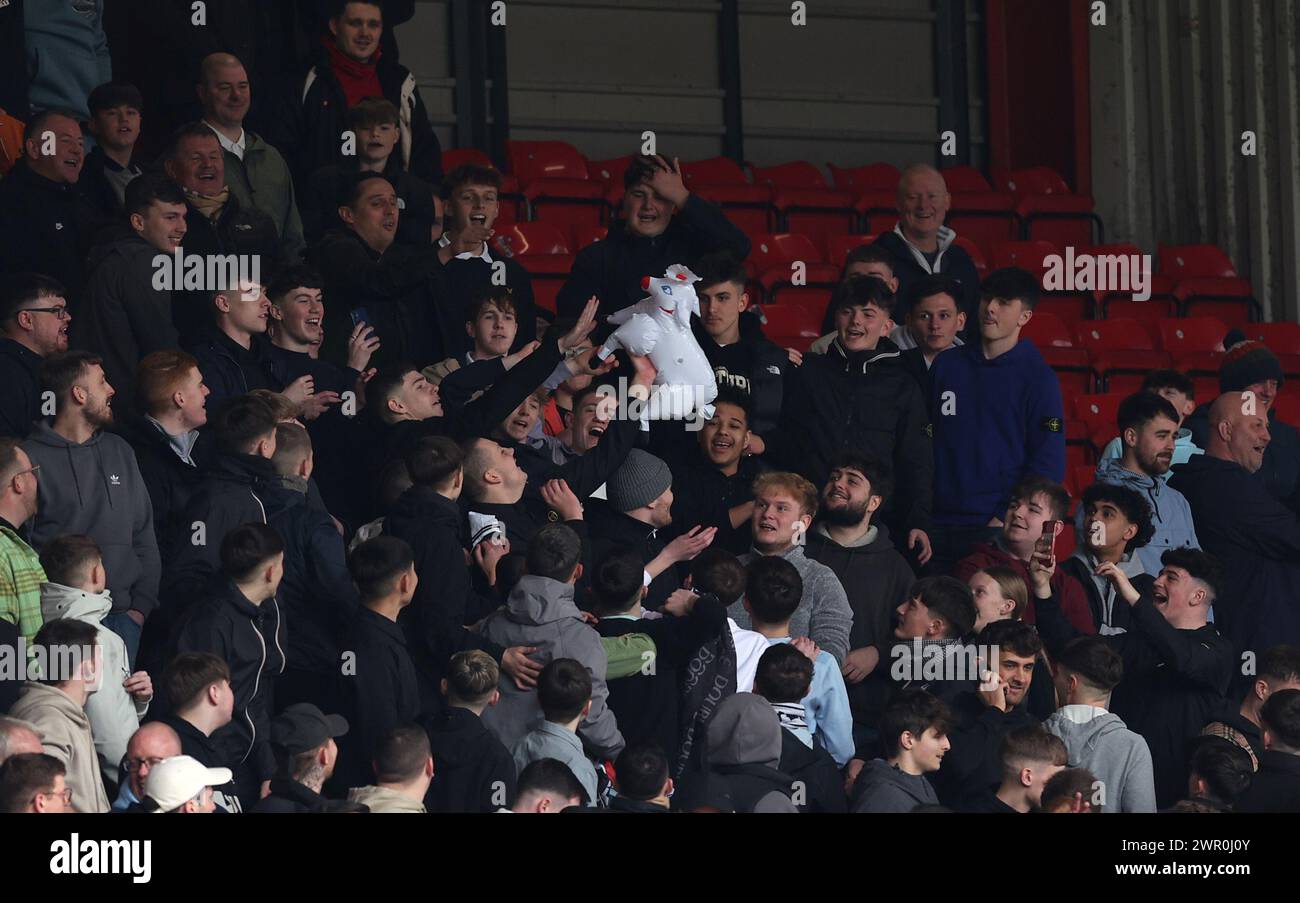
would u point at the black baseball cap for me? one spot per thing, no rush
(302, 727)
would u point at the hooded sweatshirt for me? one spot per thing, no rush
(887, 788)
(1171, 515)
(1109, 611)
(473, 771)
(823, 613)
(95, 488)
(382, 799)
(951, 260)
(114, 713)
(1097, 740)
(541, 612)
(66, 735)
(744, 754)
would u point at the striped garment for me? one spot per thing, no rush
(21, 576)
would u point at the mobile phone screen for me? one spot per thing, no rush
(1046, 544)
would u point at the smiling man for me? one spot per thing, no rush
(857, 396)
(125, 317)
(661, 223)
(255, 171)
(921, 244)
(1255, 536)
(914, 739)
(46, 223)
(115, 122)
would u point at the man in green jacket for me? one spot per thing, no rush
(21, 574)
(255, 171)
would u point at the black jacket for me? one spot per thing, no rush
(704, 496)
(380, 692)
(170, 481)
(46, 227)
(876, 579)
(646, 703)
(94, 184)
(250, 639)
(230, 370)
(823, 786)
(414, 199)
(307, 114)
(955, 264)
(760, 374)
(1280, 472)
(868, 403)
(612, 269)
(446, 599)
(316, 593)
(14, 74)
(289, 796)
(20, 402)
(973, 764)
(1257, 540)
(612, 531)
(123, 317)
(228, 495)
(1120, 613)
(401, 293)
(245, 231)
(1276, 786)
(472, 770)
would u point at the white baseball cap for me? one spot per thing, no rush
(174, 782)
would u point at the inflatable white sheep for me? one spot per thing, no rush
(659, 326)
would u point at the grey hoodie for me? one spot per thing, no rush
(95, 488)
(1171, 515)
(114, 714)
(541, 612)
(885, 788)
(823, 614)
(1097, 740)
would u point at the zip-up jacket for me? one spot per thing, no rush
(1171, 515)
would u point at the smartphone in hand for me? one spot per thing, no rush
(1045, 545)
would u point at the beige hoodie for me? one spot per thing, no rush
(381, 799)
(65, 734)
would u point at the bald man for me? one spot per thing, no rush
(18, 737)
(923, 246)
(255, 171)
(148, 746)
(1254, 536)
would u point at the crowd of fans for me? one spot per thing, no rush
(357, 529)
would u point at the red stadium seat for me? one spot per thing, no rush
(1200, 364)
(609, 171)
(875, 177)
(1078, 444)
(459, 156)
(556, 183)
(1069, 306)
(1098, 413)
(976, 254)
(1187, 335)
(977, 211)
(803, 201)
(1083, 476)
(1048, 210)
(1281, 338)
(587, 235)
(1288, 409)
(791, 325)
(780, 250)
(965, 180)
(1290, 365)
(877, 211)
(1120, 348)
(543, 250)
(1055, 343)
(1028, 255)
(1067, 542)
(722, 181)
(1047, 330)
(1149, 312)
(820, 280)
(1195, 261)
(839, 246)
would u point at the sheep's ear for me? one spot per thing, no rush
(645, 283)
(681, 273)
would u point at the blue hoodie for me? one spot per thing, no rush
(995, 422)
(1170, 514)
(67, 53)
(1184, 447)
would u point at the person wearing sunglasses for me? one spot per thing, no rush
(34, 323)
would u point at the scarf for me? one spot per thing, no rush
(210, 205)
(358, 80)
(792, 715)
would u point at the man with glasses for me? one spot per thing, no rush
(34, 782)
(34, 322)
(148, 746)
(21, 574)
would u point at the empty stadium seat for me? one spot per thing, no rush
(875, 193)
(610, 174)
(722, 181)
(874, 177)
(1288, 409)
(554, 178)
(1182, 336)
(1078, 444)
(791, 325)
(1195, 262)
(543, 250)
(453, 157)
(1069, 306)
(803, 201)
(1048, 210)
(839, 246)
(769, 251)
(1028, 255)
(1055, 343)
(976, 254)
(587, 235)
(978, 212)
(1230, 299)
(1047, 330)
(1079, 478)
(1118, 348)
(1281, 338)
